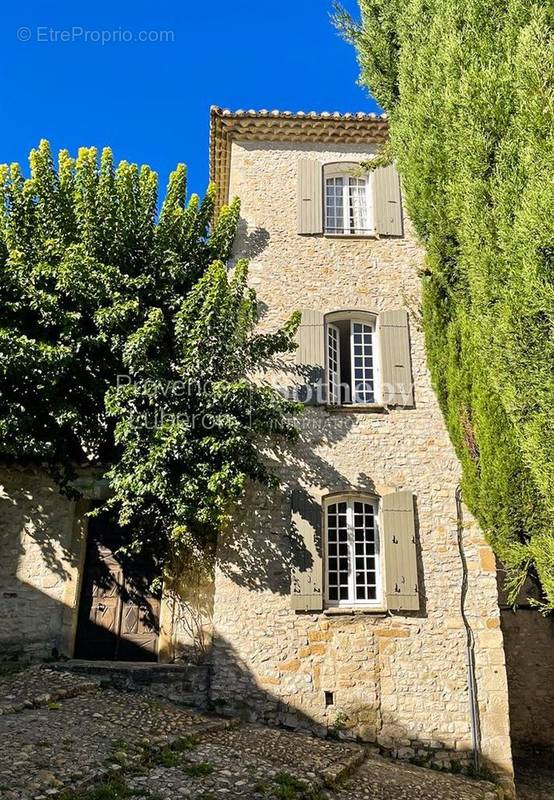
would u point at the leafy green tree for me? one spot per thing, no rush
(468, 85)
(125, 342)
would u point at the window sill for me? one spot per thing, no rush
(369, 235)
(365, 408)
(353, 611)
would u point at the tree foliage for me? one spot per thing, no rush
(125, 341)
(468, 85)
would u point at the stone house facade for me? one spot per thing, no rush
(376, 644)
(352, 600)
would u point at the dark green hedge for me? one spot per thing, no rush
(469, 88)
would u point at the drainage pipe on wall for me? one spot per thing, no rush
(470, 640)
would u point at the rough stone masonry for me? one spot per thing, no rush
(396, 679)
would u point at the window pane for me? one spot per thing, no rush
(366, 574)
(351, 560)
(333, 364)
(334, 205)
(346, 205)
(337, 567)
(363, 390)
(357, 205)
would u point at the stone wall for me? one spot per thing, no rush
(396, 679)
(38, 566)
(529, 645)
(42, 551)
(187, 612)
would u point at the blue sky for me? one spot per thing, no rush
(150, 100)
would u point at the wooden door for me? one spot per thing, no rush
(118, 612)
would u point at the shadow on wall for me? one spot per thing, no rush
(31, 520)
(36, 563)
(529, 647)
(258, 566)
(252, 242)
(270, 700)
(252, 701)
(41, 552)
(240, 556)
(234, 691)
(39, 560)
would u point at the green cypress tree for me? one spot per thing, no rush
(468, 85)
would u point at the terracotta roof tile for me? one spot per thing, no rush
(287, 126)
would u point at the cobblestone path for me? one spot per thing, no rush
(62, 734)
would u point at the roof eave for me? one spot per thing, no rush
(227, 126)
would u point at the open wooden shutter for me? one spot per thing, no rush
(306, 587)
(387, 201)
(396, 371)
(309, 196)
(399, 549)
(310, 354)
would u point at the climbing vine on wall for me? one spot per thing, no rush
(125, 341)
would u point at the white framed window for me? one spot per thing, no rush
(333, 363)
(352, 552)
(348, 200)
(363, 372)
(353, 374)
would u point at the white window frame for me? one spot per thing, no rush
(352, 601)
(354, 400)
(332, 342)
(363, 318)
(345, 171)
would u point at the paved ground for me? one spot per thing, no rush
(535, 780)
(62, 733)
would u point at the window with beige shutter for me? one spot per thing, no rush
(396, 370)
(354, 551)
(400, 552)
(387, 201)
(306, 588)
(341, 199)
(355, 358)
(309, 197)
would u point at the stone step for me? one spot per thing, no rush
(184, 684)
(40, 686)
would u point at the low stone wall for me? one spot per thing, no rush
(529, 646)
(185, 684)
